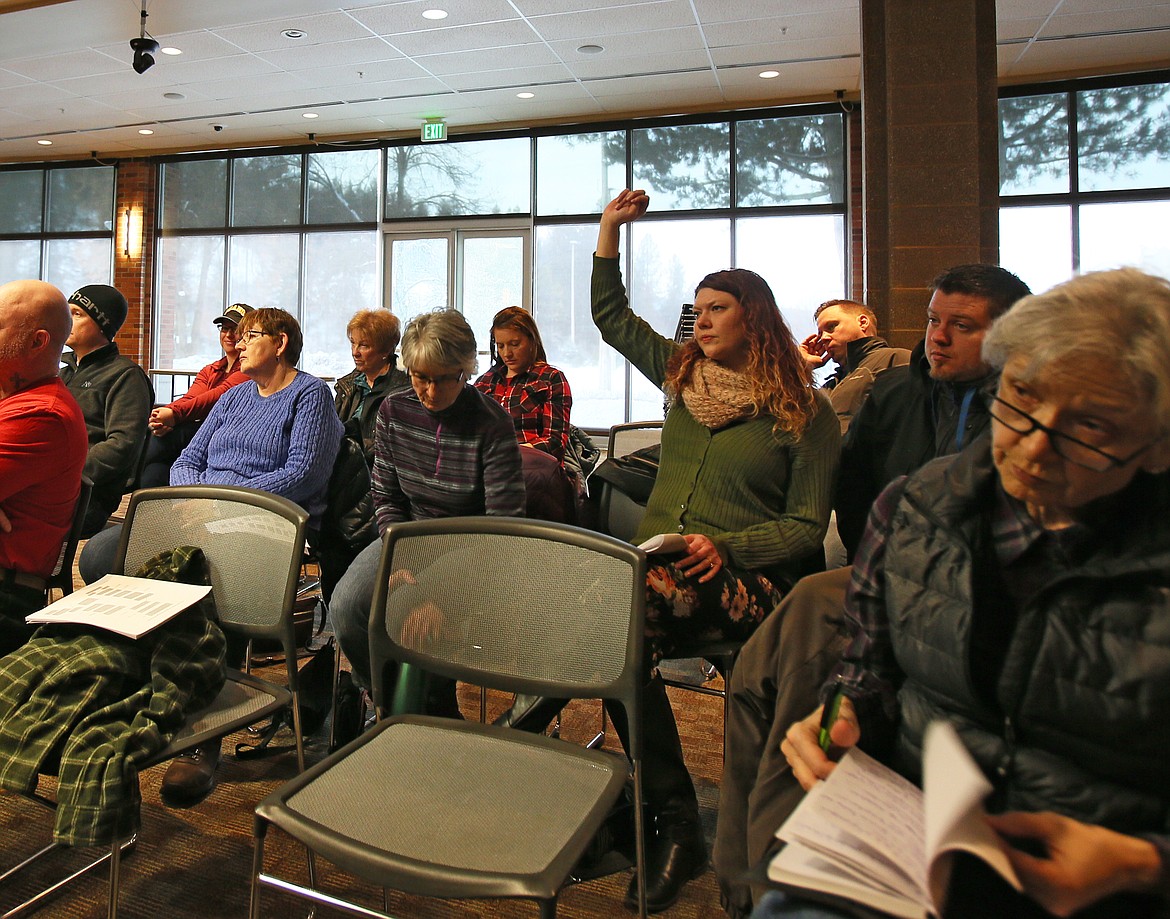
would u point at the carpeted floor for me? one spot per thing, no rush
(196, 863)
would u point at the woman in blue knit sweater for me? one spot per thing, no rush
(278, 433)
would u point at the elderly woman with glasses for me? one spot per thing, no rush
(441, 449)
(278, 433)
(1021, 591)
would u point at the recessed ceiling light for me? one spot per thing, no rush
(308, 114)
(434, 14)
(294, 33)
(45, 143)
(769, 74)
(171, 51)
(525, 95)
(145, 131)
(173, 96)
(590, 49)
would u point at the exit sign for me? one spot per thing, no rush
(434, 130)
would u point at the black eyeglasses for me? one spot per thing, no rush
(424, 382)
(1075, 451)
(251, 335)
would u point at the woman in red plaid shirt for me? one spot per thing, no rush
(535, 394)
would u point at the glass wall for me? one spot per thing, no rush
(57, 224)
(1085, 179)
(295, 231)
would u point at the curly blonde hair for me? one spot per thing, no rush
(781, 381)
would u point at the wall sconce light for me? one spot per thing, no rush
(126, 235)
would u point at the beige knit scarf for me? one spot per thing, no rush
(715, 395)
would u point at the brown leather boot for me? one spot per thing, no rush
(191, 776)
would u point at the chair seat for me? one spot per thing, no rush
(243, 701)
(447, 808)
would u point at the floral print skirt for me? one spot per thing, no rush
(682, 613)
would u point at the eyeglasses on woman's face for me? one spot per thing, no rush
(251, 335)
(1064, 445)
(422, 381)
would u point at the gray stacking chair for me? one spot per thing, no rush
(447, 808)
(253, 542)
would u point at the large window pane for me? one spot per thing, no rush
(1123, 137)
(81, 199)
(264, 270)
(194, 194)
(266, 191)
(801, 257)
(686, 166)
(418, 276)
(596, 373)
(447, 180)
(188, 298)
(21, 195)
(1127, 233)
(579, 173)
(1036, 244)
(340, 279)
(492, 278)
(795, 160)
(20, 258)
(1034, 145)
(73, 263)
(668, 258)
(343, 187)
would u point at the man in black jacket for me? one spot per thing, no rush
(933, 406)
(114, 394)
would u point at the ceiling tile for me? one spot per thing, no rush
(321, 29)
(465, 38)
(591, 25)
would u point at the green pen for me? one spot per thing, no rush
(828, 715)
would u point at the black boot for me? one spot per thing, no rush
(676, 854)
(530, 713)
(676, 851)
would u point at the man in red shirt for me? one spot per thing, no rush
(42, 450)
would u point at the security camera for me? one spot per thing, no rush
(144, 51)
(217, 127)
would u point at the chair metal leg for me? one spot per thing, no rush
(115, 878)
(261, 829)
(598, 740)
(36, 900)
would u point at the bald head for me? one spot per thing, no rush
(34, 323)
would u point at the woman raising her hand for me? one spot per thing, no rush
(749, 456)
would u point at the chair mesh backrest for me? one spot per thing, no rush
(512, 599)
(626, 438)
(253, 542)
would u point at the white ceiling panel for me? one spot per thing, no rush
(354, 53)
(486, 35)
(321, 29)
(490, 59)
(517, 78)
(676, 63)
(401, 18)
(595, 25)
